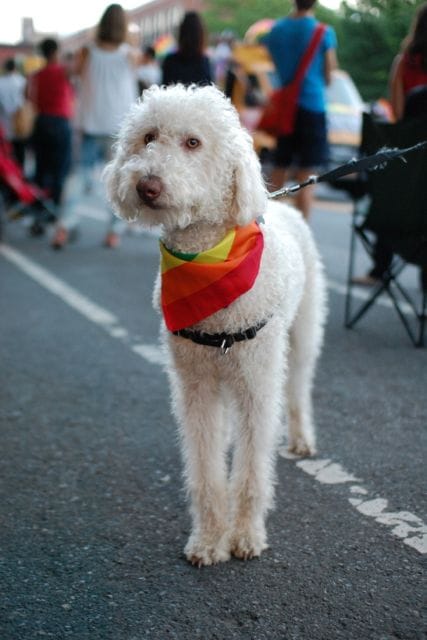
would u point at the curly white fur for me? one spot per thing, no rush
(208, 188)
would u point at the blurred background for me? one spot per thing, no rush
(369, 31)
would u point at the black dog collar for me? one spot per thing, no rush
(223, 341)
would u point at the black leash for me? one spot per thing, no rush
(377, 161)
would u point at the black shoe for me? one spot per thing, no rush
(37, 229)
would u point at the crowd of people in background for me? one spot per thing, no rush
(79, 101)
(85, 95)
(106, 88)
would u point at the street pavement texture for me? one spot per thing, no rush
(92, 509)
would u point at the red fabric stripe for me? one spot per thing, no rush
(187, 311)
(188, 278)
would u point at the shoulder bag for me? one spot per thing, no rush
(278, 117)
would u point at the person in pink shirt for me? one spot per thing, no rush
(52, 94)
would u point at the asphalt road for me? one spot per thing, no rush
(93, 518)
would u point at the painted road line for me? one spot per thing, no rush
(80, 303)
(404, 525)
(93, 312)
(150, 352)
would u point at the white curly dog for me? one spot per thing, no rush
(183, 161)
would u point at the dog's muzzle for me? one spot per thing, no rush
(149, 189)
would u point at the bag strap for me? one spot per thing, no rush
(309, 53)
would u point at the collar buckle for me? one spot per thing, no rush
(226, 345)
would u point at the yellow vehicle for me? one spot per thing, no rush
(253, 77)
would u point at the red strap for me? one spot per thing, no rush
(309, 53)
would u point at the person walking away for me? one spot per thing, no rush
(108, 87)
(408, 97)
(12, 91)
(52, 95)
(189, 64)
(306, 149)
(149, 71)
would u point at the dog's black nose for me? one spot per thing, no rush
(149, 188)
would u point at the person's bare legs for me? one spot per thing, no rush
(277, 178)
(304, 197)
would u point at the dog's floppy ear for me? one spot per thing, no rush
(250, 193)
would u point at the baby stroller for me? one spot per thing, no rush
(18, 197)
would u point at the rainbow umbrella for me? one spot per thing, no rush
(258, 29)
(164, 44)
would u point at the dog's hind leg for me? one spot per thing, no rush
(258, 391)
(200, 413)
(305, 341)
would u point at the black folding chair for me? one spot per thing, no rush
(397, 214)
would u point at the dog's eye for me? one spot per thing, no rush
(192, 143)
(149, 137)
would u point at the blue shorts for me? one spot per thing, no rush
(307, 147)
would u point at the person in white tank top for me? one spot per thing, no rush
(108, 86)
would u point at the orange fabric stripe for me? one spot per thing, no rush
(190, 277)
(191, 280)
(199, 304)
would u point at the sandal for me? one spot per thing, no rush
(60, 238)
(112, 240)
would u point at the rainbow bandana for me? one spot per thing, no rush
(194, 286)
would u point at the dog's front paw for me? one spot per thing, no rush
(248, 544)
(301, 448)
(201, 552)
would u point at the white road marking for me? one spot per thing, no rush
(80, 303)
(405, 525)
(93, 312)
(326, 472)
(150, 352)
(357, 489)
(118, 332)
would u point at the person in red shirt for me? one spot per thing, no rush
(52, 94)
(409, 70)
